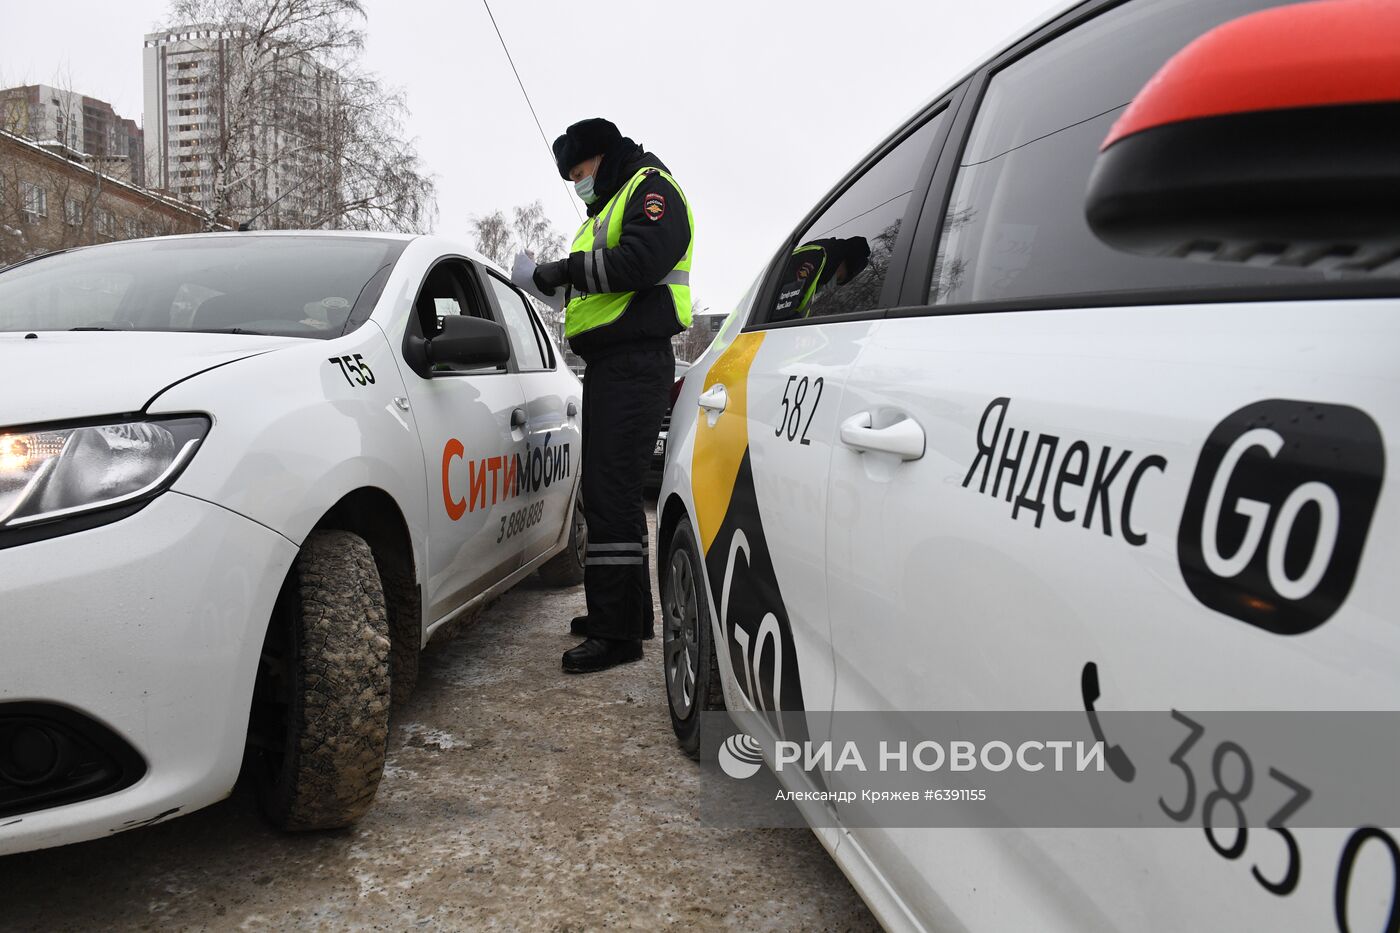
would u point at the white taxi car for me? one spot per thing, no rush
(1077, 384)
(243, 479)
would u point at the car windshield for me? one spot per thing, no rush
(300, 286)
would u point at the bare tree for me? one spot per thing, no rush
(494, 238)
(690, 343)
(535, 234)
(528, 230)
(292, 131)
(51, 199)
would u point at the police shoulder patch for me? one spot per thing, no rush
(654, 205)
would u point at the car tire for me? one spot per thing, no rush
(566, 567)
(690, 666)
(329, 660)
(406, 631)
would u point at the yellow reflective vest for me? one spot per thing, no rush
(590, 310)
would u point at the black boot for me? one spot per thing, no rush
(579, 626)
(599, 654)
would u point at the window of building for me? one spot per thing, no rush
(36, 200)
(839, 263)
(73, 212)
(106, 223)
(525, 339)
(1015, 224)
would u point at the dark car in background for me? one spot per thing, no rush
(658, 455)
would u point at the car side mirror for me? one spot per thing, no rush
(1273, 139)
(463, 341)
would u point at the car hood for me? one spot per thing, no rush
(60, 375)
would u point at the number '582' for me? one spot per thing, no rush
(790, 423)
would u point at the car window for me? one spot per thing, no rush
(515, 314)
(188, 298)
(1015, 224)
(449, 289)
(546, 347)
(302, 286)
(840, 261)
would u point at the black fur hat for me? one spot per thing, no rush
(855, 254)
(583, 141)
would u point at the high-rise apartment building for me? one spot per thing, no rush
(215, 97)
(86, 126)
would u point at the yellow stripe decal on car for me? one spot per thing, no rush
(719, 449)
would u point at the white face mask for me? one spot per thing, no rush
(584, 190)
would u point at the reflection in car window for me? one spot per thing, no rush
(842, 259)
(815, 268)
(1015, 224)
(523, 338)
(303, 286)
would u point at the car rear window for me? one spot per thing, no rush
(283, 285)
(1015, 226)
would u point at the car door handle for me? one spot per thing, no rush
(517, 418)
(904, 438)
(571, 409)
(714, 399)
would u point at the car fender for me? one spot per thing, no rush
(677, 487)
(295, 430)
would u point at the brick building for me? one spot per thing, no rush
(52, 198)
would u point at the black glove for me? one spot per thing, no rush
(550, 275)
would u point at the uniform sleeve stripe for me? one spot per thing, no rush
(589, 281)
(602, 272)
(628, 548)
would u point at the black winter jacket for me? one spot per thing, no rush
(655, 235)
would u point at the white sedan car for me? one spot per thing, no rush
(243, 479)
(1058, 401)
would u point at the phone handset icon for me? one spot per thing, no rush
(1118, 761)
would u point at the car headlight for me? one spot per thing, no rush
(50, 474)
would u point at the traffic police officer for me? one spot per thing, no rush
(627, 292)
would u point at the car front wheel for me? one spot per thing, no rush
(321, 706)
(566, 567)
(690, 667)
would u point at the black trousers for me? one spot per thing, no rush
(624, 399)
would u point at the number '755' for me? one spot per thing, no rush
(357, 365)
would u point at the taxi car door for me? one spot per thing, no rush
(761, 492)
(472, 425)
(1089, 419)
(549, 477)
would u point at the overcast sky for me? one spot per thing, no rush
(757, 107)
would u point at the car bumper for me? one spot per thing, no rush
(151, 627)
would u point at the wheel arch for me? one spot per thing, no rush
(672, 511)
(372, 513)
